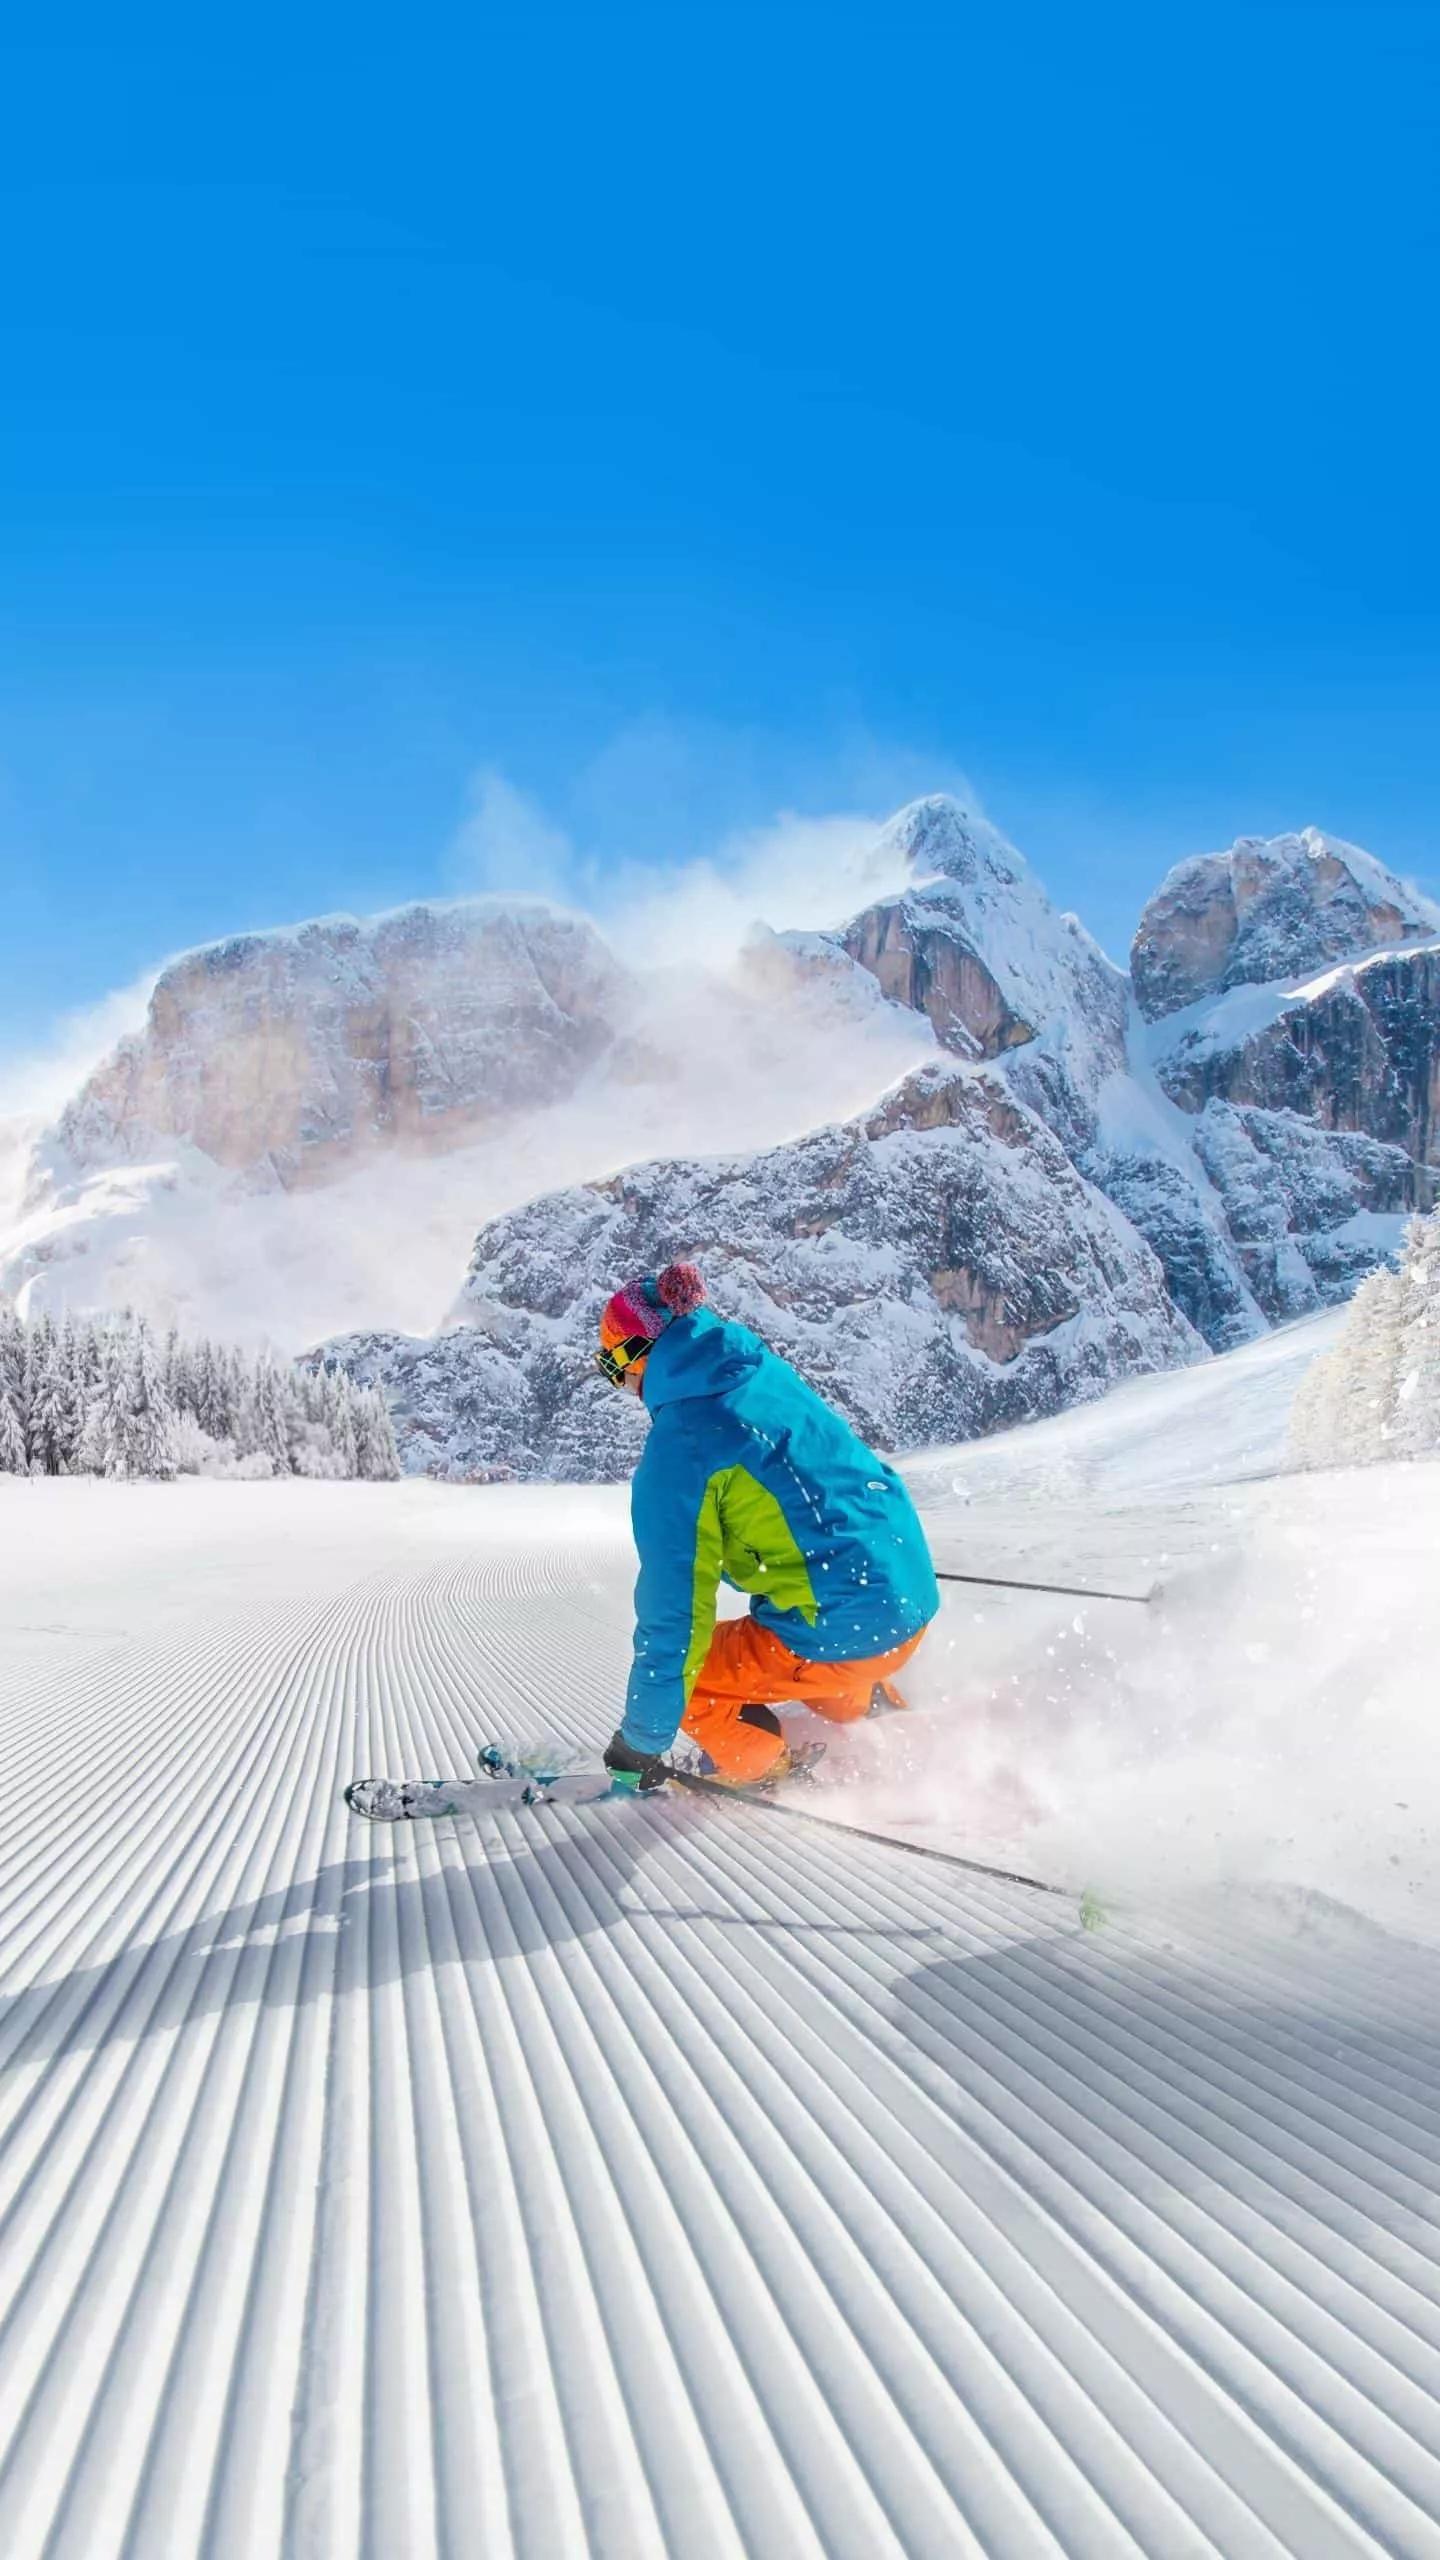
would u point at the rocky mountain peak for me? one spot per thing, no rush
(1272, 907)
(296, 1049)
(978, 947)
(940, 838)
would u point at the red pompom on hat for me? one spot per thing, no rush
(645, 1307)
(681, 1288)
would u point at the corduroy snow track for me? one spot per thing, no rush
(645, 2178)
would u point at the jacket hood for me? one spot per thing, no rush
(699, 1355)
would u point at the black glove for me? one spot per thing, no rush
(644, 1770)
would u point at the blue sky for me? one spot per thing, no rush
(689, 414)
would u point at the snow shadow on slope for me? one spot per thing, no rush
(1251, 2069)
(358, 1924)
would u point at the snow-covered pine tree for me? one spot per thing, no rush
(1371, 1369)
(1312, 1438)
(48, 1440)
(12, 1394)
(298, 1432)
(143, 1442)
(1347, 1410)
(271, 1431)
(212, 1400)
(84, 1365)
(88, 1372)
(103, 1422)
(32, 1388)
(340, 1421)
(244, 1426)
(105, 1432)
(100, 1397)
(292, 1413)
(67, 1405)
(12, 1440)
(376, 1455)
(1417, 1404)
(177, 1367)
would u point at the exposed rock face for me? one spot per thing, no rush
(1183, 1221)
(1270, 908)
(1360, 1051)
(936, 1267)
(1310, 1210)
(919, 957)
(295, 1051)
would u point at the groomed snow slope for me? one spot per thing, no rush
(673, 2179)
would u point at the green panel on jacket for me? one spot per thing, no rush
(760, 1553)
(742, 1537)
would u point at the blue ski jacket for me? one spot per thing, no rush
(749, 1477)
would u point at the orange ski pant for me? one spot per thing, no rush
(747, 1666)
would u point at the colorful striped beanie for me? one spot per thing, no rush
(640, 1311)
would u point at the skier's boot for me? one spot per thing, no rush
(401, 1799)
(795, 1761)
(770, 1777)
(642, 1770)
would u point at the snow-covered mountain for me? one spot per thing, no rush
(978, 947)
(1266, 1186)
(310, 1128)
(1304, 1059)
(937, 1267)
(286, 1054)
(1269, 909)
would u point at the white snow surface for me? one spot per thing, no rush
(689, 2178)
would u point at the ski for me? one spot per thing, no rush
(509, 1785)
(507, 1788)
(544, 1777)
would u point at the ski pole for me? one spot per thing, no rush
(753, 1803)
(1055, 1590)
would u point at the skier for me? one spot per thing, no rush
(748, 1477)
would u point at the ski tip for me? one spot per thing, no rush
(400, 1799)
(1093, 1914)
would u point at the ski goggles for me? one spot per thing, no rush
(614, 1358)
